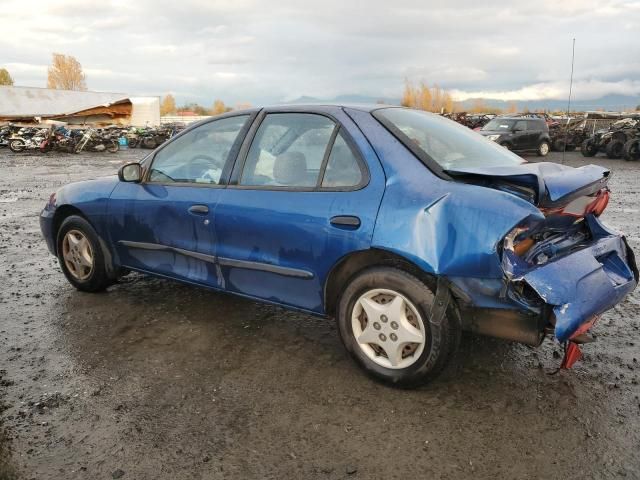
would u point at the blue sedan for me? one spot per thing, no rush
(405, 226)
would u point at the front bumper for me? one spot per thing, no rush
(587, 282)
(46, 227)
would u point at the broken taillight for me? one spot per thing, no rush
(599, 204)
(582, 206)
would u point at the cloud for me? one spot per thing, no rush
(582, 90)
(264, 52)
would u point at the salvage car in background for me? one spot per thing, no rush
(403, 225)
(520, 134)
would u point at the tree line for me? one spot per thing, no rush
(65, 73)
(168, 106)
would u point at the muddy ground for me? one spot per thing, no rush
(156, 380)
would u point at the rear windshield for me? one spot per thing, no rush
(435, 139)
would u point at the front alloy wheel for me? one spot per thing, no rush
(81, 257)
(77, 254)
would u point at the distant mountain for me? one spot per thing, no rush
(615, 103)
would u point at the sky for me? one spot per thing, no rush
(261, 52)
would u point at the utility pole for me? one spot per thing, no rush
(566, 128)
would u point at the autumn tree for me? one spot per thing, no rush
(218, 107)
(5, 77)
(423, 97)
(409, 96)
(65, 73)
(423, 100)
(447, 102)
(512, 107)
(168, 105)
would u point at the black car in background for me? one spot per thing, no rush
(519, 134)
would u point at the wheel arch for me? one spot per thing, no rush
(353, 263)
(65, 211)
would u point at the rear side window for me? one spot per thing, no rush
(288, 150)
(521, 125)
(343, 168)
(536, 125)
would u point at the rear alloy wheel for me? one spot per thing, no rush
(543, 148)
(631, 149)
(615, 149)
(588, 149)
(384, 323)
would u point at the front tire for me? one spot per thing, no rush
(113, 146)
(16, 145)
(383, 320)
(80, 255)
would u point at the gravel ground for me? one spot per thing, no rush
(156, 380)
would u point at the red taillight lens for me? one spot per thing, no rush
(52, 199)
(599, 204)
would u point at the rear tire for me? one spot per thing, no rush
(379, 290)
(558, 145)
(588, 149)
(631, 150)
(543, 148)
(615, 149)
(80, 255)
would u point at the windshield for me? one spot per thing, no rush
(437, 139)
(499, 124)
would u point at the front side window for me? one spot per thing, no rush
(199, 155)
(288, 150)
(436, 139)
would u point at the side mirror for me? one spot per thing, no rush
(131, 172)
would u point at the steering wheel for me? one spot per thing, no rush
(200, 164)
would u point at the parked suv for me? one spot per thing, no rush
(519, 134)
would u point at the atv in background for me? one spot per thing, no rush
(631, 149)
(611, 140)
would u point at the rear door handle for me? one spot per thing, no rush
(345, 221)
(199, 209)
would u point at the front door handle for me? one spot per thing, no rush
(345, 221)
(199, 209)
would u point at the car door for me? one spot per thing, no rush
(520, 135)
(534, 132)
(164, 224)
(305, 192)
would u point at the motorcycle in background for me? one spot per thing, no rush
(92, 141)
(27, 138)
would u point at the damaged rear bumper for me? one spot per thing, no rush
(562, 294)
(585, 283)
